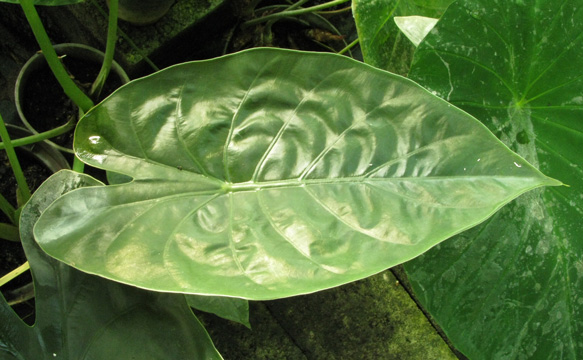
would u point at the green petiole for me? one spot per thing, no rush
(23, 188)
(68, 85)
(109, 50)
(14, 273)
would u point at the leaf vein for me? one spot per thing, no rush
(275, 227)
(179, 136)
(283, 127)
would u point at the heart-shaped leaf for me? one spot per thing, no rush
(513, 287)
(272, 173)
(80, 316)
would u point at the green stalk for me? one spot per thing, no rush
(348, 47)
(70, 88)
(14, 163)
(78, 165)
(109, 50)
(127, 39)
(295, 12)
(14, 273)
(297, 4)
(70, 125)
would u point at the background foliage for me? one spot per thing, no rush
(513, 287)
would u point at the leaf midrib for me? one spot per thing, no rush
(293, 183)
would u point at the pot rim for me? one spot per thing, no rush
(38, 60)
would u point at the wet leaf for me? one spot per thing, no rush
(271, 173)
(513, 287)
(80, 316)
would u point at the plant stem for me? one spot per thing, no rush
(124, 36)
(109, 51)
(295, 12)
(41, 136)
(14, 273)
(70, 88)
(297, 4)
(348, 47)
(335, 12)
(9, 232)
(14, 163)
(78, 165)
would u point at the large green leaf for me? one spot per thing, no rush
(513, 287)
(80, 316)
(382, 44)
(271, 173)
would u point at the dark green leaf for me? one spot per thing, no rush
(272, 173)
(513, 287)
(382, 44)
(80, 316)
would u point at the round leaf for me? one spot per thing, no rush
(272, 173)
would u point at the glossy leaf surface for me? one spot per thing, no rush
(383, 45)
(81, 316)
(272, 173)
(512, 288)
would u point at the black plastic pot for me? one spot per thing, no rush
(142, 12)
(36, 75)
